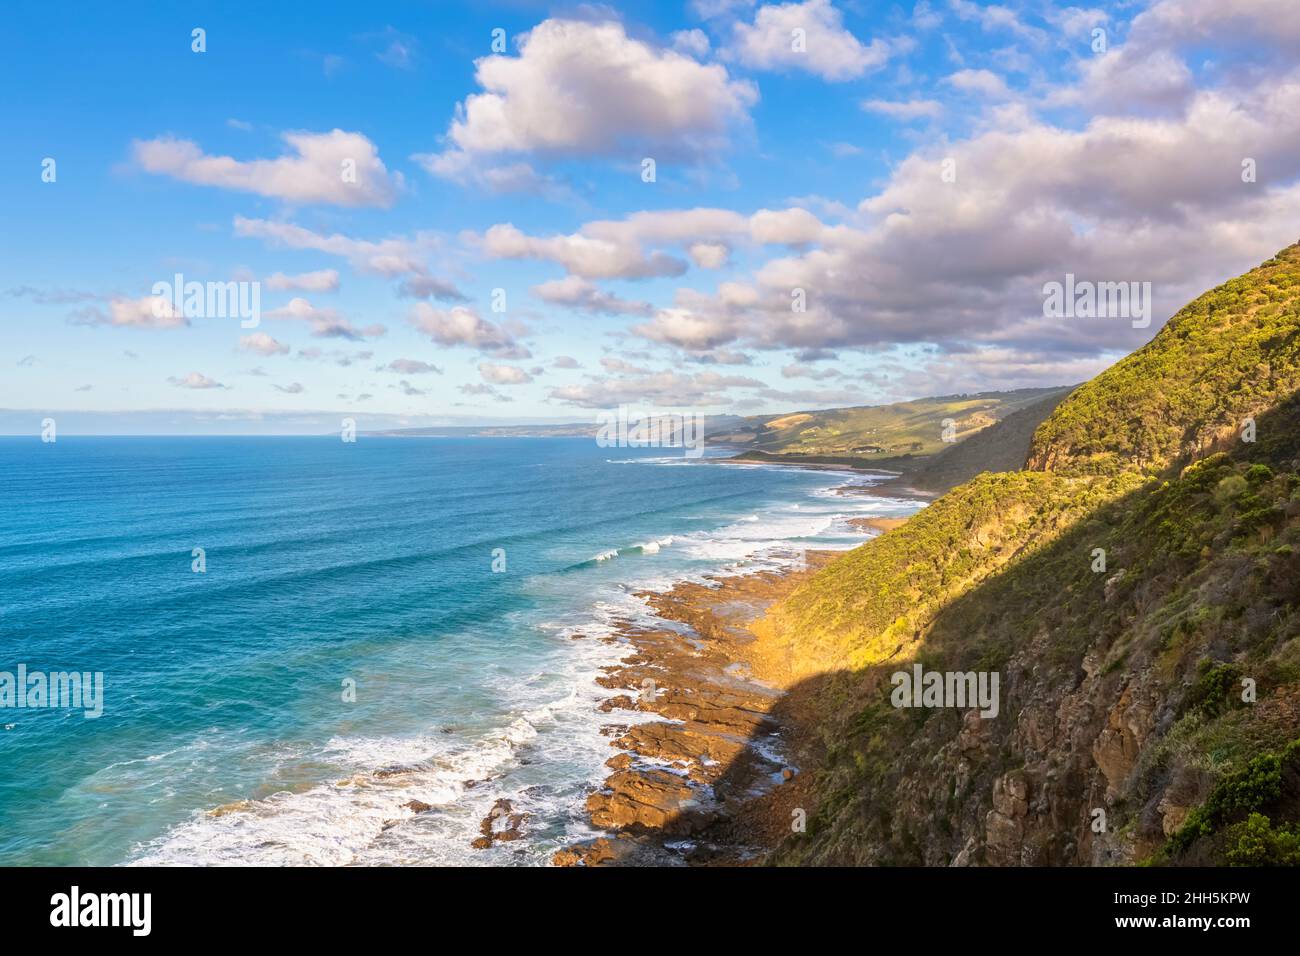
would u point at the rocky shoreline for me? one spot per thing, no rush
(717, 781)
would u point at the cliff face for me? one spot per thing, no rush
(1135, 588)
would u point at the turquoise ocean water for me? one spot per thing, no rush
(330, 563)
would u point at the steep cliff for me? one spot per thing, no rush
(1134, 588)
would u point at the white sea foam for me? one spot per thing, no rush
(544, 748)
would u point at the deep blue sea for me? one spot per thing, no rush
(225, 736)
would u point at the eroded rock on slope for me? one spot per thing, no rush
(1140, 696)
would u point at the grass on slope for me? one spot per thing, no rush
(1230, 354)
(1204, 553)
(882, 431)
(870, 604)
(999, 448)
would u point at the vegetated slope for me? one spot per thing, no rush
(1228, 355)
(1001, 447)
(1148, 710)
(893, 436)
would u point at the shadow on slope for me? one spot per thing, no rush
(1120, 689)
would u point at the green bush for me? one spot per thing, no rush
(1254, 787)
(1255, 842)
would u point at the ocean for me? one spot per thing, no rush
(391, 604)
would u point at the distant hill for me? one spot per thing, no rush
(895, 437)
(1003, 446)
(898, 437)
(713, 426)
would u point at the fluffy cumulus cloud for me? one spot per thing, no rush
(806, 36)
(577, 293)
(709, 255)
(579, 89)
(1131, 194)
(262, 344)
(1123, 166)
(148, 312)
(626, 248)
(503, 374)
(581, 255)
(194, 380)
(336, 168)
(461, 325)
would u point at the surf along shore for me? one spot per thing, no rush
(722, 778)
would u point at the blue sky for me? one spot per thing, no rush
(782, 163)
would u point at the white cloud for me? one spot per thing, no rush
(1272, 23)
(828, 49)
(617, 249)
(581, 255)
(994, 18)
(1125, 198)
(148, 312)
(262, 344)
(325, 323)
(577, 293)
(195, 380)
(1077, 22)
(323, 280)
(405, 366)
(503, 374)
(790, 227)
(461, 325)
(338, 168)
(388, 257)
(585, 89)
(691, 42)
(709, 255)
(688, 329)
(925, 17)
(983, 82)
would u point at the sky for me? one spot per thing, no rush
(457, 213)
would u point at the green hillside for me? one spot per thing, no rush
(894, 436)
(998, 448)
(1149, 708)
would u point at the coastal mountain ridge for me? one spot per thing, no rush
(1135, 587)
(900, 436)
